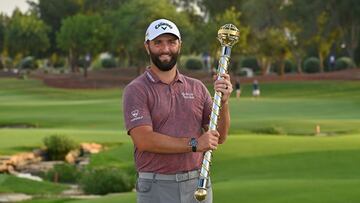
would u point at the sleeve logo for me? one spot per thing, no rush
(135, 115)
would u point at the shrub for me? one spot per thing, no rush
(194, 64)
(63, 173)
(270, 131)
(58, 146)
(289, 66)
(250, 62)
(59, 63)
(343, 63)
(28, 63)
(101, 181)
(108, 63)
(312, 65)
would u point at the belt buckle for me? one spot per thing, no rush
(181, 177)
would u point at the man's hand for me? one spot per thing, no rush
(208, 141)
(224, 86)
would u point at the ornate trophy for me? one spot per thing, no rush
(228, 35)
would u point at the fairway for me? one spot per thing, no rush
(271, 156)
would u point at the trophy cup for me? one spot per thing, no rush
(228, 35)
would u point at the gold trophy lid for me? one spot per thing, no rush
(228, 35)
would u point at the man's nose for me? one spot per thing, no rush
(165, 48)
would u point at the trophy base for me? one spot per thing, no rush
(200, 194)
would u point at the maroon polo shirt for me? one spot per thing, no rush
(180, 109)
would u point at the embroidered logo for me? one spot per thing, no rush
(135, 115)
(163, 26)
(187, 95)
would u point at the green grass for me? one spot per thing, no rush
(11, 184)
(253, 166)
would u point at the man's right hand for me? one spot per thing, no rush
(208, 141)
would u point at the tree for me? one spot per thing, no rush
(52, 12)
(347, 15)
(267, 32)
(3, 24)
(101, 6)
(80, 35)
(129, 24)
(232, 16)
(26, 35)
(296, 43)
(324, 37)
(272, 46)
(317, 24)
(298, 22)
(209, 8)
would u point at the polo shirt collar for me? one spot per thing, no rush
(152, 77)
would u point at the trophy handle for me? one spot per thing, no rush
(228, 35)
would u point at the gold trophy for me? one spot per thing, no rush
(228, 35)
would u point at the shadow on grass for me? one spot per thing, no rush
(18, 125)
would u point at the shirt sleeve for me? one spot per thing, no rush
(207, 107)
(135, 107)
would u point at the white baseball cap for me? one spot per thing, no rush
(159, 27)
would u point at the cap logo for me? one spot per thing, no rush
(163, 26)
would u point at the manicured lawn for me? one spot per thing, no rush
(270, 156)
(10, 184)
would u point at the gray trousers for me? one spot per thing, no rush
(153, 190)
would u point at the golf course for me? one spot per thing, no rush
(273, 153)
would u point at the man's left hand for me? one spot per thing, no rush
(224, 86)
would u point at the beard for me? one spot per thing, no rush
(164, 65)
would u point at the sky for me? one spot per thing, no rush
(7, 6)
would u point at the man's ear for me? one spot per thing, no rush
(146, 45)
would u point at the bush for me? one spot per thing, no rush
(101, 181)
(28, 63)
(8, 63)
(58, 146)
(273, 130)
(57, 61)
(250, 62)
(63, 173)
(194, 64)
(343, 63)
(60, 63)
(108, 63)
(290, 67)
(312, 65)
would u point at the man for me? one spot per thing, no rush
(167, 116)
(256, 89)
(237, 88)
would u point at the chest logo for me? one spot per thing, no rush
(187, 95)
